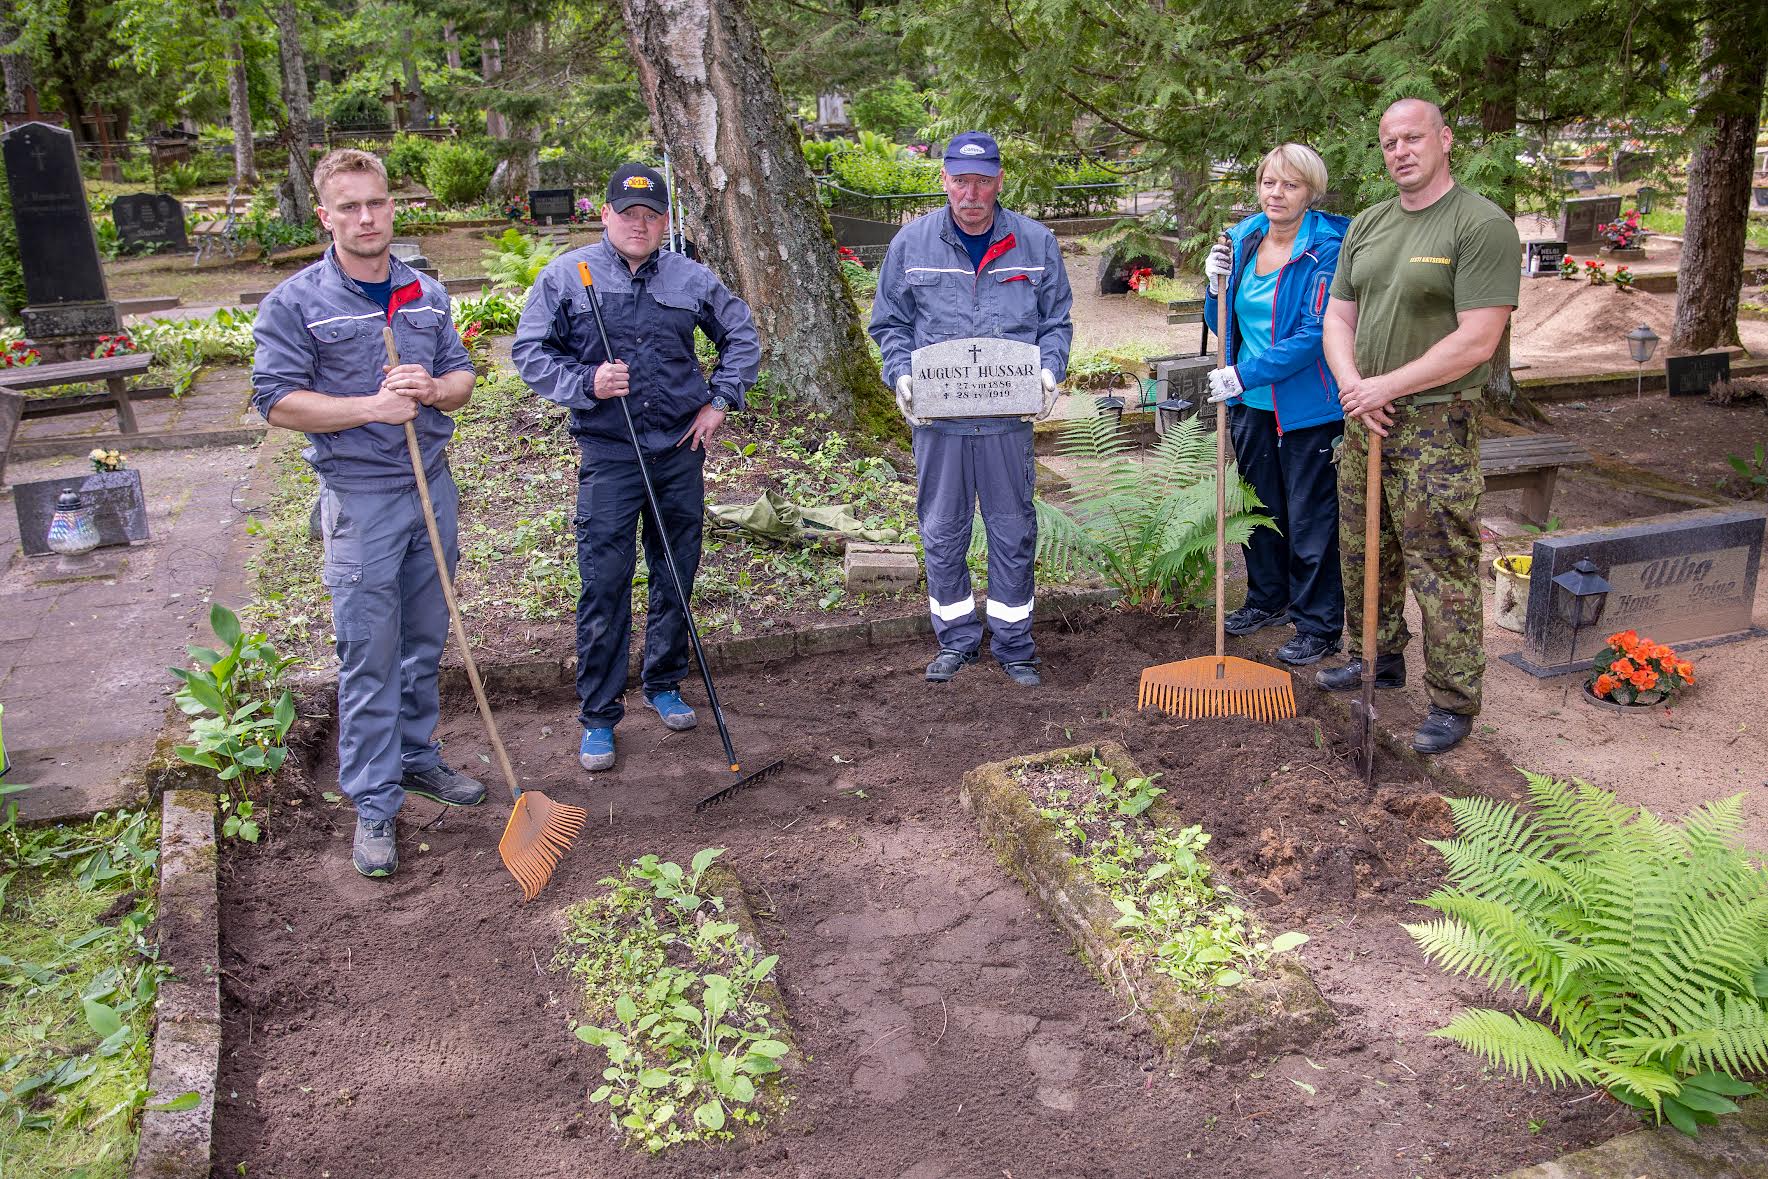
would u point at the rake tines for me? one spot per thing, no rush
(1209, 686)
(747, 780)
(536, 838)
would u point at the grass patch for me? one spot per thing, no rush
(77, 987)
(1675, 223)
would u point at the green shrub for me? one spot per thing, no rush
(496, 312)
(817, 152)
(406, 157)
(876, 175)
(235, 729)
(179, 179)
(12, 272)
(518, 259)
(1643, 944)
(352, 108)
(893, 108)
(458, 173)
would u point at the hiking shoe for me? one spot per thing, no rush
(1390, 672)
(1305, 649)
(1024, 673)
(946, 664)
(375, 853)
(1441, 731)
(596, 752)
(1250, 618)
(674, 710)
(444, 785)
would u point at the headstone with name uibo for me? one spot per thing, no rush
(1579, 217)
(67, 303)
(1688, 578)
(1542, 259)
(149, 223)
(1691, 376)
(120, 509)
(976, 378)
(552, 204)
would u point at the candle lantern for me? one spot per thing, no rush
(73, 532)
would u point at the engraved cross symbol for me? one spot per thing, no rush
(37, 153)
(975, 353)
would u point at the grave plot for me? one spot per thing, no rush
(940, 1024)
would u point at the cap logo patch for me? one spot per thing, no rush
(972, 149)
(636, 182)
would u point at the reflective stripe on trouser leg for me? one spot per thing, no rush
(945, 493)
(1005, 473)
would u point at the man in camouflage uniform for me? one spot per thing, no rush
(1425, 285)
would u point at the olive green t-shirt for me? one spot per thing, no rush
(1410, 273)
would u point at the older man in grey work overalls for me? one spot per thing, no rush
(322, 368)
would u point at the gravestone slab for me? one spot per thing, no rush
(1185, 378)
(149, 222)
(1541, 259)
(56, 245)
(1687, 578)
(1115, 268)
(12, 408)
(1761, 192)
(1692, 376)
(1579, 217)
(554, 204)
(977, 377)
(121, 510)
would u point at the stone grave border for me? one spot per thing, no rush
(1281, 1012)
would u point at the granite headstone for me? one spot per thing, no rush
(1692, 376)
(149, 223)
(65, 293)
(1542, 259)
(1579, 217)
(12, 408)
(1682, 578)
(551, 204)
(116, 497)
(1115, 269)
(977, 378)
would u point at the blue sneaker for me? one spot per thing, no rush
(674, 710)
(597, 750)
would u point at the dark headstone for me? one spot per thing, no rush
(58, 251)
(1542, 259)
(149, 222)
(1579, 217)
(554, 204)
(858, 232)
(1761, 191)
(1183, 378)
(1115, 270)
(1580, 180)
(121, 510)
(1691, 376)
(1683, 578)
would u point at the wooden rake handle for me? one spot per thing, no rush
(1221, 551)
(460, 631)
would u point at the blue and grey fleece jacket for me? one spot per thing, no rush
(320, 331)
(650, 316)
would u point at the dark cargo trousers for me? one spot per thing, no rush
(391, 620)
(610, 505)
(1296, 564)
(957, 469)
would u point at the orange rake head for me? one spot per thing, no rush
(536, 838)
(1218, 686)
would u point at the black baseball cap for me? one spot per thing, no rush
(635, 184)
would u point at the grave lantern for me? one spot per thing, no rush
(1644, 198)
(1641, 343)
(1579, 596)
(1110, 405)
(72, 532)
(1169, 413)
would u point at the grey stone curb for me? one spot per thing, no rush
(187, 1032)
(52, 447)
(1736, 1148)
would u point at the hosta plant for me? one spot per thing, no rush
(1641, 945)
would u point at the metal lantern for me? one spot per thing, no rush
(72, 531)
(1169, 413)
(1645, 198)
(1110, 405)
(1579, 596)
(1641, 343)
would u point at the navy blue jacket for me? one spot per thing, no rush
(651, 316)
(1305, 393)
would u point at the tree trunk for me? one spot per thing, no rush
(296, 196)
(490, 67)
(750, 203)
(1734, 59)
(451, 38)
(17, 66)
(520, 169)
(1497, 116)
(245, 168)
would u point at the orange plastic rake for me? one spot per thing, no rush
(1222, 685)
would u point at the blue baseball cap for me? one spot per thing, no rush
(972, 153)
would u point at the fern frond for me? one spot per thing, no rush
(1519, 1045)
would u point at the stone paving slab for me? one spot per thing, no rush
(1736, 1148)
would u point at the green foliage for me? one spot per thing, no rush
(1752, 472)
(184, 346)
(12, 271)
(1642, 943)
(458, 173)
(356, 108)
(407, 156)
(879, 175)
(861, 280)
(670, 993)
(893, 108)
(264, 229)
(179, 179)
(496, 312)
(1147, 527)
(518, 259)
(235, 730)
(817, 152)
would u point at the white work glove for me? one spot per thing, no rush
(1218, 266)
(905, 386)
(1224, 385)
(1049, 380)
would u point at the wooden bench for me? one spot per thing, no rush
(112, 370)
(1530, 463)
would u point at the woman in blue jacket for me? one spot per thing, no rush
(1282, 401)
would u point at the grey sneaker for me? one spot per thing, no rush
(444, 785)
(375, 853)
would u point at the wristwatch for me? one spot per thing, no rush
(720, 404)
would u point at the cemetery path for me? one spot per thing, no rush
(414, 1026)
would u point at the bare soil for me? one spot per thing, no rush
(1685, 440)
(413, 1027)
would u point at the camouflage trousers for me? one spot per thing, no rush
(1430, 489)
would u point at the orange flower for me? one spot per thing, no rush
(1605, 684)
(1623, 640)
(1644, 679)
(1621, 667)
(1686, 671)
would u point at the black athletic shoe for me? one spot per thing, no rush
(444, 785)
(1390, 672)
(1441, 731)
(1305, 649)
(1024, 673)
(1250, 618)
(947, 664)
(375, 852)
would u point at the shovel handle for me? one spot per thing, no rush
(1221, 550)
(1372, 504)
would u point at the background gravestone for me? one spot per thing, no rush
(1542, 259)
(120, 510)
(1115, 269)
(149, 223)
(976, 378)
(1579, 217)
(555, 204)
(67, 303)
(1679, 579)
(1691, 376)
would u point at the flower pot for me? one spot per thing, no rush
(1640, 707)
(1512, 575)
